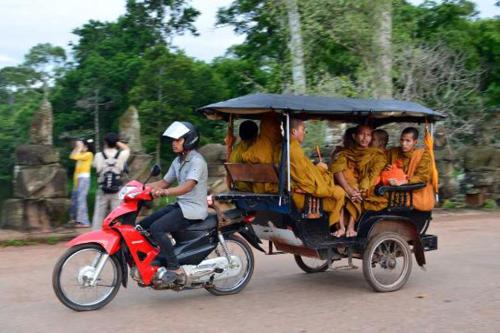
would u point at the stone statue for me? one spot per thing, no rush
(41, 125)
(139, 163)
(215, 155)
(130, 129)
(40, 200)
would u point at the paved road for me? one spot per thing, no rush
(459, 292)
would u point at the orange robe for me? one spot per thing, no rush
(266, 149)
(423, 172)
(361, 168)
(418, 165)
(237, 157)
(315, 181)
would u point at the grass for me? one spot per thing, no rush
(50, 240)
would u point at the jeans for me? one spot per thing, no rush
(167, 219)
(104, 203)
(79, 210)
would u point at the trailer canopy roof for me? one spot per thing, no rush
(328, 108)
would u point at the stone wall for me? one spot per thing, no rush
(482, 174)
(40, 199)
(215, 155)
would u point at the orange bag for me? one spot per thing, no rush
(423, 199)
(395, 173)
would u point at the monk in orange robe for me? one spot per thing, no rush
(417, 164)
(312, 179)
(357, 170)
(266, 149)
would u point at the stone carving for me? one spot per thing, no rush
(130, 129)
(40, 200)
(482, 171)
(445, 162)
(139, 163)
(41, 125)
(215, 155)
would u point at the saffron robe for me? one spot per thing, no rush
(237, 157)
(361, 168)
(315, 181)
(423, 171)
(418, 165)
(266, 149)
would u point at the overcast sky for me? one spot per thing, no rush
(25, 23)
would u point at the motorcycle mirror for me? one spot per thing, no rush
(155, 170)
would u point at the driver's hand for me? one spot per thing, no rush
(157, 193)
(210, 200)
(388, 167)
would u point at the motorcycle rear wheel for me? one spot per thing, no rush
(74, 271)
(239, 247)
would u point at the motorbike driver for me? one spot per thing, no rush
(189, 171)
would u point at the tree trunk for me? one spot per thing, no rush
(382, 43)
(158, 152)
(159, 123)
(296, 47)
(96, 120)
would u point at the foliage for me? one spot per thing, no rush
(490, 204)
(170, 87)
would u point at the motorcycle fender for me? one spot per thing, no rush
(249, 234)
(124, 267)
(108, 239)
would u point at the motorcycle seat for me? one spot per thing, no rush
(209, 223)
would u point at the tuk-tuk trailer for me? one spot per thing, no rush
(385, 239)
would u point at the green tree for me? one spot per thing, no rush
(170, 87)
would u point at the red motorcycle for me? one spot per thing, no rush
(88, 276)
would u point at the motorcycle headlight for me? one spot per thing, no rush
(127, 190)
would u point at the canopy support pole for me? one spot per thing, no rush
(288, 151)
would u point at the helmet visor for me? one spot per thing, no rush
(176, 130)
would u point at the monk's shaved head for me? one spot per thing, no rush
(297, 129)
(295, 123)
(360, 128)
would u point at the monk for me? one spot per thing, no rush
(417, 164)
(248, 132)
(357, 170)
(312, 179)
(380, 139)
(265, 149)
(347, 142)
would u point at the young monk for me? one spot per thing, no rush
(315, 180)
(347, 142)
(248, 132)
(357, 170)
(380, 139)
(265, 149)
(417, 164)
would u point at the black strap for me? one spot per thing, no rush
(116, 155)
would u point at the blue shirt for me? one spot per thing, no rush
(194, 203)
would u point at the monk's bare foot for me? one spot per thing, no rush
(339, 233)
(351, 233)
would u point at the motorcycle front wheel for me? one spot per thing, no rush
(75, 282)
(237, 246)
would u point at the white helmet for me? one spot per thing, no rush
(183, 129)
